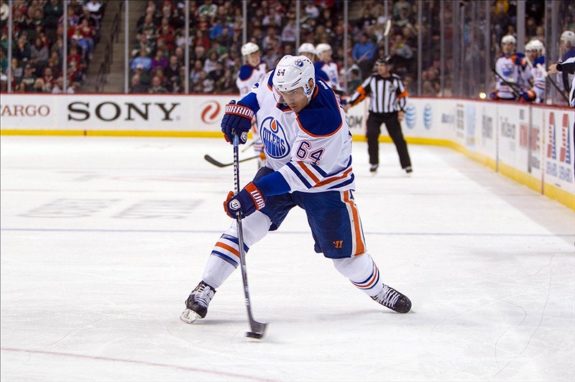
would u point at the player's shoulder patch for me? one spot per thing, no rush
(245, 72)
(322, 116)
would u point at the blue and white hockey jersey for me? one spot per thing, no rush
(311, 150)
(248, 76)
(330, 70)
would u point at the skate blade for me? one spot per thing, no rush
(189, 316)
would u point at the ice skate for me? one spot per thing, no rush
(197, 303)
(373, 168)
(392, 299)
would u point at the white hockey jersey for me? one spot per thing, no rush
(310, 149)
(511, 73)
(248, 76)
(330, 70)
(537, 78)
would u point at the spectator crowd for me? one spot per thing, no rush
(158, 44)
(38, 49)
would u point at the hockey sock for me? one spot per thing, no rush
(217, 271)
(225, 256)
(362, 272)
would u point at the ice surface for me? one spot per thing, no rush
(102, 240)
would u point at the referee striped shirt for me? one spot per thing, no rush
(387, 94)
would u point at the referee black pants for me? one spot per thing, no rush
(374, 121)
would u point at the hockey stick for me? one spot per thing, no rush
(248, 146)
(217, 163)
(387, 28)
(257, 328)
(557, 88)
(512, 86)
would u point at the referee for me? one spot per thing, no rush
(388, 98)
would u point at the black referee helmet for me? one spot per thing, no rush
(384, 61)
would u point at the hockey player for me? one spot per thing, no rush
(308, 146)
(535, 73)
(308, 50)
(253, 70)
(327, 66)
(509, 67)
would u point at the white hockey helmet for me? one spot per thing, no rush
(535, 45)
(568, 36)
(320, 48)
(293, 72)
(306, 47)
(509, 39)
(249, 48)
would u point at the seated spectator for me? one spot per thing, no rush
(195, 72)
(58, 87)
(363, 54)
(3, 61)
(157, 87)
(207, 82)
(48, 77)
(310, 10)
(4, 12)
(211, 63)
(142, 61)
(289, 31)
(172, 71)
(96, 8)
(22, 50)
(28, 79)
(159, 61)
(84, 35)
(208, 9)
(145, 77)
(17, 70)
(39, 53)
(39, 86)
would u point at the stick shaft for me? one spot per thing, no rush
(257, 328)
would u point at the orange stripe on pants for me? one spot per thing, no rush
(360, 245)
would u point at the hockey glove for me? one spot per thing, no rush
(237, 121)
(527, 96)
(519, 59)
(248, 201)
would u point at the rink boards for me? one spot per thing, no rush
(530, 144)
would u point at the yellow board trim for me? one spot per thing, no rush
(559, 195)
(549, 190)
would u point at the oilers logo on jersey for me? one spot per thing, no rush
(507, 69)
(274, 138)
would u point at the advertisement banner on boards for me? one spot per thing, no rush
(486, 131)
(535, 141)
(113, 112)
(558, 150)
(513, 121)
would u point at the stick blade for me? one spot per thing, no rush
(258, 330)
(215, 162)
